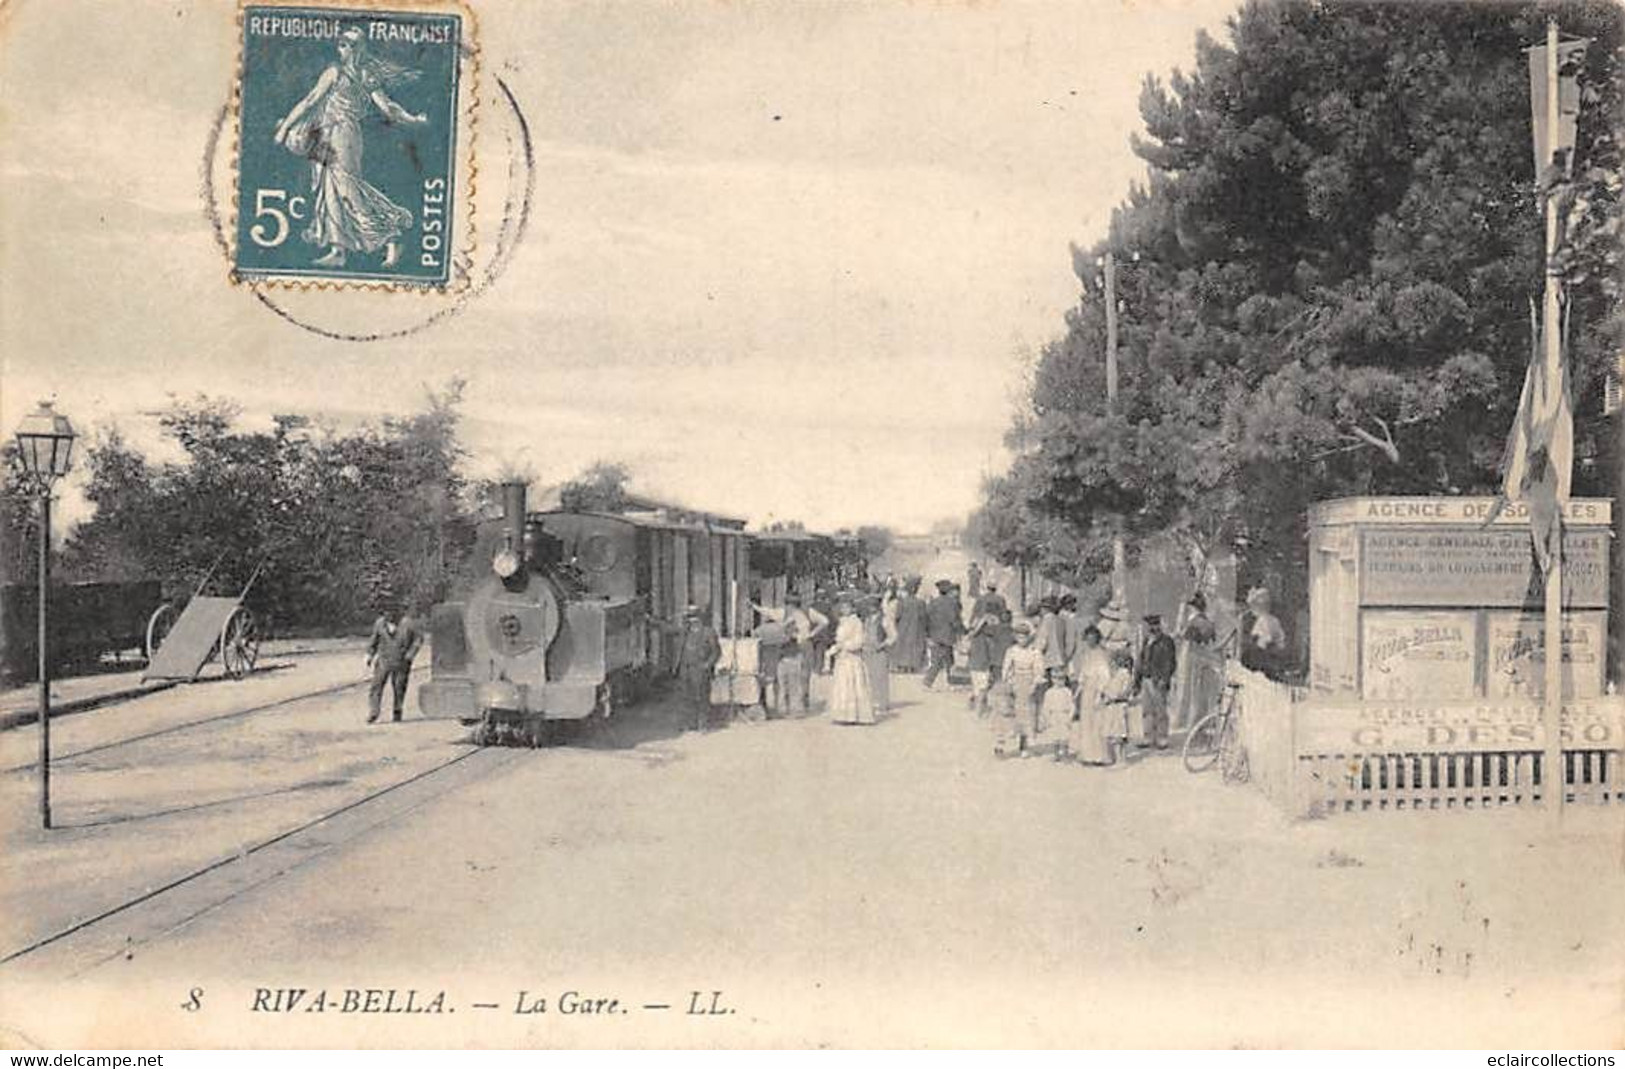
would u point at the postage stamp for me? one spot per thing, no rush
(350, 157)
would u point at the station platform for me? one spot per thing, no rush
(153, 789)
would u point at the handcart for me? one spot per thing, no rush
(180, 645)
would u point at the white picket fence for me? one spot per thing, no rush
(1315, 759)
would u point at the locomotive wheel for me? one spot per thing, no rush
(158, 625)
(239, 644)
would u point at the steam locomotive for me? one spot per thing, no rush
(574, 614)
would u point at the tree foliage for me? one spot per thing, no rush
(1323, 286)
(338, 524)
(600, 488)
(19, 520)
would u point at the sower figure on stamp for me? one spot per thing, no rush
(348, 214)
(396, 639)
(697, 664)
(1153, 677)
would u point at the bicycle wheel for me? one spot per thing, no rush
(1202, 744)
(1232, 755)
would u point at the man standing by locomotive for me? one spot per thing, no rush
(697, 664)
(396, 639)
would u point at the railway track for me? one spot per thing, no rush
(65, 757)
(117, 931)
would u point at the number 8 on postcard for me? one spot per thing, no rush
(348, 156)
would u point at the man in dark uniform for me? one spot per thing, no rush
(943, 626)
(396, 639)
(697, 664)
(1152, 678)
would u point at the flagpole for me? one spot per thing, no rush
(1553, 786)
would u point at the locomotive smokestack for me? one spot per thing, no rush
(513, 516)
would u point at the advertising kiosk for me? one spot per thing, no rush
(1415, 598)
(1427, 659)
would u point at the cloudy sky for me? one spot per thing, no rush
(783, 257)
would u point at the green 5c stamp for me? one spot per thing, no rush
(349, 161)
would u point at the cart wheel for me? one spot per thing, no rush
(239, 644)
(158, 625)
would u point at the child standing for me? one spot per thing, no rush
(1022, 677)
(1056, 712)
(1113, 698)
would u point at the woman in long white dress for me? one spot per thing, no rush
(1097, 723)
(850, 698)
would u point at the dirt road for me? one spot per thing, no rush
(893, 885)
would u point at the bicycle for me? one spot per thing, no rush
(1216, 738)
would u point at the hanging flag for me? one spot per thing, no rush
(1539, 459)
(1538, 465)
(1569, 55)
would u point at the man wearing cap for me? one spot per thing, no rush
(697, 664)
(396, 639)
(1152, 678)
(943, 627)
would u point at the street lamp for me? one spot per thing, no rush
(45, 444)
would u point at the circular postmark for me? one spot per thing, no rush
(507, 182)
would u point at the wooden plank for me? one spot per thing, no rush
(192, 641)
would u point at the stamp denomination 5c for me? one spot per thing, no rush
(350, 166)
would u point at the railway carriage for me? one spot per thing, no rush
(87, 621)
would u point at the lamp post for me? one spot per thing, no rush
(45, 444)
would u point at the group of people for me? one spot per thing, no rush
(1050, 680)
(795, 641)
(1061, 689)
(1069, 688)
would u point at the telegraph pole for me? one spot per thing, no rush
(1119, 550)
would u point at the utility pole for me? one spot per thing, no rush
(1553, 783)
(1119, 550)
